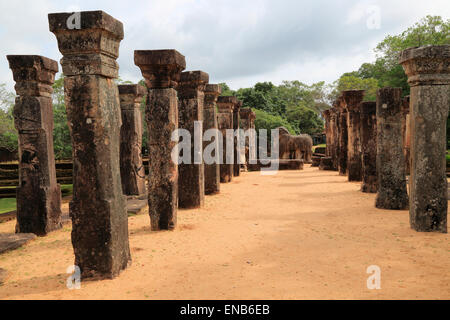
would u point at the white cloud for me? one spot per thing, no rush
(235, 41)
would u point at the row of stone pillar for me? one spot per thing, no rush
(106, 131)
(380, 142)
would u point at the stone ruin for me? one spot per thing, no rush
(191, 177)
(98, 207)
(428, 71)
(352, 100)
(225, 107)
(366, 140)
(392, 192)
(132, 170)
(161, 70)
(33, 119)
(212, 171)
(369, 147)
(248, 123)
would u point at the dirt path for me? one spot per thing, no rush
(297, 235)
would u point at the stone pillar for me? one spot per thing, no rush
(392, 192)
(369, 146)
(212, 171)
(38, 194)
(342, 152)
(132, 171)
(191, 179)
(98, 208)
(161, 70)
(248, 123)
(237, 149)
(428, 71)
(406, 133)
(334, 119)
(326, 116)
(353, 99)
(225, 121)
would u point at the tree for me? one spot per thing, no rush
(350, 81)
(268, 121)
(8, 133)
(62, 143)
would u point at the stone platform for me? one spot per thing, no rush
(283, 164)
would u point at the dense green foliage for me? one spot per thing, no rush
(292, 104)
(386, 71)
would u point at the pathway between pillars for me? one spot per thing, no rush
(296, 235)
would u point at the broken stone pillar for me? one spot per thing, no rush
(38, 194)
(132, 171)
(406, 133)
(161, 70)
(98, 208)
(191, 179)
(225, 122)
(342, 152)
(248, 123)
(237, 149)
(212, 171)
(428, 71)
(391, 193)
(369, 146)
(326, 116)
(353, 99)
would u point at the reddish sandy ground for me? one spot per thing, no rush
(297, 235)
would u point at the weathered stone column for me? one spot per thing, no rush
(343, 137)
(191, 179)
(161, 70)
(248, 123)
(98, 208)
(392, 192)
(38, 194)
(406, 133)
(369, 146)
(237, 149)
(132, 171)
(212, 171)
(326, 116)
(353, 99)
(428, 71)
(334, 119)
(225, 121)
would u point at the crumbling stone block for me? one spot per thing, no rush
(98, 208)
(38, 194)
(132, 171)
(428, 71)
(392, 192)
(161, 70)
(191, 179)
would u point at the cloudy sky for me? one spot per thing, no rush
(239, 42)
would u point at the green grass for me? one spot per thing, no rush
(7, 205)
(323, 145)
(66, 189)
